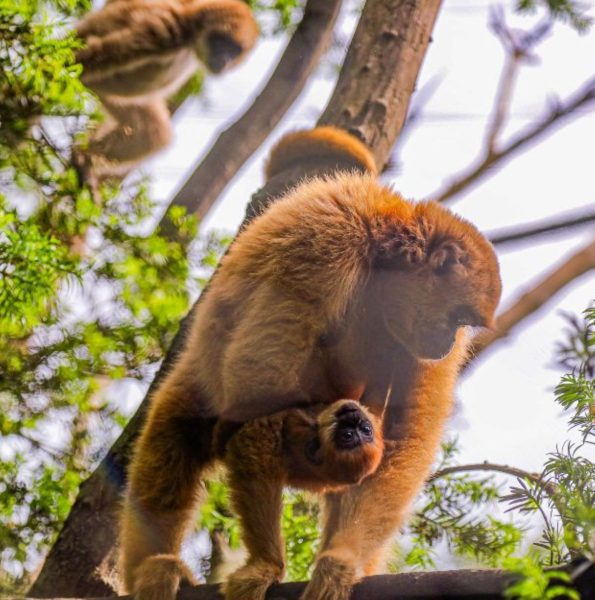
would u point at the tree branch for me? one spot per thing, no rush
(547, 486)
(237, 143)
(470, 584)
(558, 114)
(83, 549)
(524, 232)
(530, 302)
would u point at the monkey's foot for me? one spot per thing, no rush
(158, 577)
(252, 581)
(331, 580)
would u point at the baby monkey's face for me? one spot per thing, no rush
(352, 427)
(340, 445)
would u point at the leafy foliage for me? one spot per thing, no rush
(456, 511)
(565, 494)
(570, 11)
(86, 302)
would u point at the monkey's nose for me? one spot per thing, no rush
(347, 408)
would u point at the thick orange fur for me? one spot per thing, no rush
(341, 289)
(139, 52)
(320, 144)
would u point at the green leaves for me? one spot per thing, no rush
(571, 11)
(32, 264)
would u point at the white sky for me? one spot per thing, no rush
(508, 414)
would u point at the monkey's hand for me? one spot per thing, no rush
(332, 579)
(158, 577)
(252, 581)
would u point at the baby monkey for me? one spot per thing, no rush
(321, 448)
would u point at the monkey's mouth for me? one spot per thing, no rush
(435, 343)
(353, 428)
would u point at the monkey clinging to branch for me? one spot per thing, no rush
(340, 289)
(139, 52)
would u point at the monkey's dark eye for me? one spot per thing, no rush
(366, 429)
(346, 435)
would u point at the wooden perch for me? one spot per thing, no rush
(467, 584)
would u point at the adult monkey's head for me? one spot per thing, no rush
(433, 273)
(228, 32)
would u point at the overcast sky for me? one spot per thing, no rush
(508, 414)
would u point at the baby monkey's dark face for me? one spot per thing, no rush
(353, 428)
(350, 442)
(328, 447)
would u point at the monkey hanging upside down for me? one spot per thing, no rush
(138, 53)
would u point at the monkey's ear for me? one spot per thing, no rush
(447, 256)
(397, 245)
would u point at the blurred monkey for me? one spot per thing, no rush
(138, 53)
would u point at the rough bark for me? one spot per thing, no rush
(80, 557)
(237, 143)
(373, 108)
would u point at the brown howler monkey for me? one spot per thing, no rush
(139, 52)
(319, 448)
(341, 289)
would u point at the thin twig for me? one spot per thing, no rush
(523, 232)
(564, 111)
(536, 478)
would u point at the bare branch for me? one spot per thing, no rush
(557, 115)
(531, 301)
(237, 143)
(541, 228)
(535, 478)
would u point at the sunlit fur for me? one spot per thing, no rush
(341, 289)
(137, 53)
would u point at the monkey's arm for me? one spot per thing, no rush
(360, 522)
(135, 132)
(126, 31)
(263, 369)
(254, 461)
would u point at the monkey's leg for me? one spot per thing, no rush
(360, 522)
(163, 485)
(256, 484)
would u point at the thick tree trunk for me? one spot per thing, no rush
(371, 101)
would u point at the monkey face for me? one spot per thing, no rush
(349, 443)
(425, 305)
(329, 447)
(352, 428)
(222, 52)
